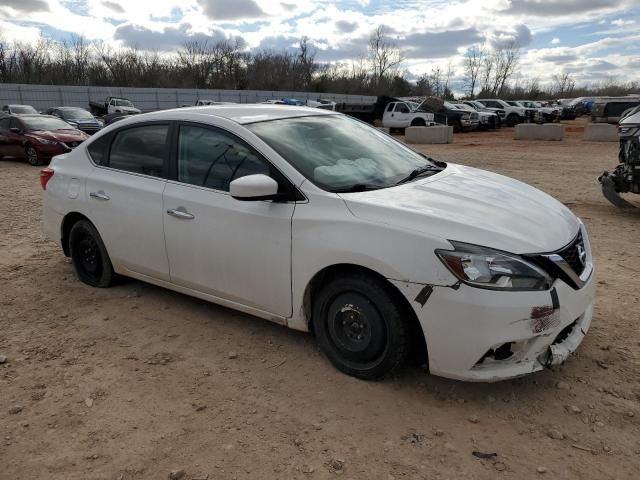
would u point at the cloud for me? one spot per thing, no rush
(621, 22)
(26, 6)
(343, 26)
(438, 44)
(555, 41)
(231, 9)
(116, 7)
(168, 39)
(552, 8)
(520, 35)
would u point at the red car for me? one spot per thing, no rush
(37, 137)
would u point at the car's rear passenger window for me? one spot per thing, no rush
(141, 149)
(213, 158)
(99, 148)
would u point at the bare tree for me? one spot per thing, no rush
(563, 84)
(473, 62)
(384, 55)
(506, 59)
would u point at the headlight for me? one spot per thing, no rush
(492, 269)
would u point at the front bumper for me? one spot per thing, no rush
(485, 335)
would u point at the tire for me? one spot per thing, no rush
(89, 255)
(418, 122)
(457, 127)
(31, 154)
(512, 120)
(360, 326)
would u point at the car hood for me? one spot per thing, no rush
(85, 121)
(128, 109)
(70, 135)
(473, 206)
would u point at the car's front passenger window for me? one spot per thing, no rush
(212, 158)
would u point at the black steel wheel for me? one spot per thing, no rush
(89, 255)
(360, 326)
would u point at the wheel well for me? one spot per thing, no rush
(324, 276)
(69, 220)
(418, 122)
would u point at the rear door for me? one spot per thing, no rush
(239, 251)
(125, 196)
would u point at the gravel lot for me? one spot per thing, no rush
(135, 381)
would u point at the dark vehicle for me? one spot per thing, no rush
(78, 118)
(365, 111)
(609, 110)
(460, 120)
(37, 137)
(626, 176)
(19, 109)
(113, 105)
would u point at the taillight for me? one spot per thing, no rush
(46, 174)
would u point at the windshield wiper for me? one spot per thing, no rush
(359, 187)
(420, 171)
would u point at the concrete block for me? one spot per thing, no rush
(437, 134)
(532, 131)
(600, 132)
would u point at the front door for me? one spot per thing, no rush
(239, 251)
(125, 197)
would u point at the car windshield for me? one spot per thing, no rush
(21, 109)
(45, 123)
(76, 114)
(340, 154)
(123, 103)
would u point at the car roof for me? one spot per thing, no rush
(245, 113)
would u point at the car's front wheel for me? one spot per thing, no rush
(89, 255)
(360, 326)
(32, 156)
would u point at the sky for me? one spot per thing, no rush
(593, 40)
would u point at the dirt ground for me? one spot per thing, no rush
(135, 381)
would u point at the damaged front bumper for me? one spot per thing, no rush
(482, 335)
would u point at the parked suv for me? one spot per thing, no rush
(513, 115)
(609, 110)
(78, 118)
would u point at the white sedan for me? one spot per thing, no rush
(316, 221)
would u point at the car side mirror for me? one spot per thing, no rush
(15, 130)
(254, 187)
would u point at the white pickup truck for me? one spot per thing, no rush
(514, 115)
(406, 114)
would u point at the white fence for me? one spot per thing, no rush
(148, 99)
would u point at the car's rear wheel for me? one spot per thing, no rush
(32, 156)
(360, 326)
(89, 255)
